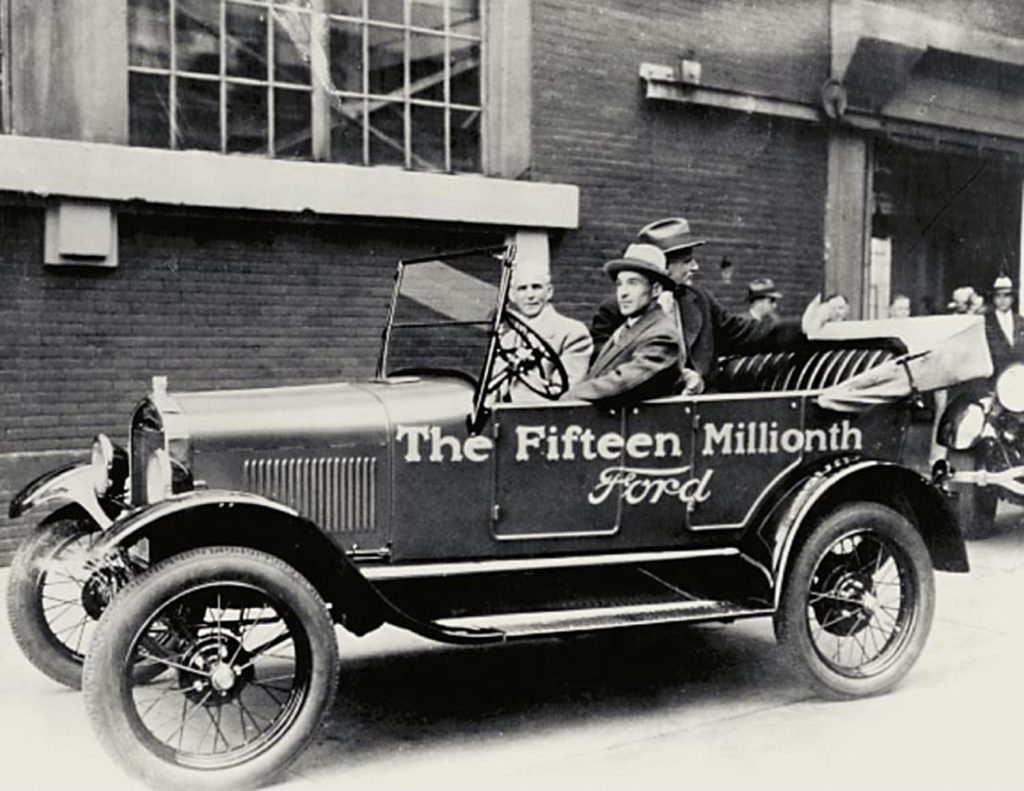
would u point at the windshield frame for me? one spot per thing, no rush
(506, 254)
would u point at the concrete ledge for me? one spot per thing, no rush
(98, 171)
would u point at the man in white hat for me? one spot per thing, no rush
(1004, 327)
(530, 294)
(641, 358)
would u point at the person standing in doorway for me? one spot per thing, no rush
(1004, 327)
(763, 298)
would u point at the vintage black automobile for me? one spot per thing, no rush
(983, 430)
(223, 546)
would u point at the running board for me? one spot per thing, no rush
(528, 624)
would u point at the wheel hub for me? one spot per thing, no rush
(850, 604)
(100, 588)
(219, 666)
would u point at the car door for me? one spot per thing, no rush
(548, 462)
(743, 444)
(578, 476)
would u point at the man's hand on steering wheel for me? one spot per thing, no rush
(530, 360)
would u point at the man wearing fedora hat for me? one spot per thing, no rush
(708, 329)
(1004, 327)
(763, 298)
(641, 357)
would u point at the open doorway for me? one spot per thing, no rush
(941, 220)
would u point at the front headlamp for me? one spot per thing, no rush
(158, 476)
(967, 428)
(1010, 388)
(101, 464)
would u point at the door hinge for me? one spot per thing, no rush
(495, 513)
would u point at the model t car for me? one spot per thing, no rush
(202, 570)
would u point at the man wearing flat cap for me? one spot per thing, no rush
(1004, 327)
(641, 357)
(763, 299)
(707, 328)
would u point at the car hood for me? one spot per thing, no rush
(322, 414)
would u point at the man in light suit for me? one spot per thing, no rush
(641, 359)
(530, 294)
(1004, 327)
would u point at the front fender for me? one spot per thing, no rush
(217, 517)
(875, 481)
(143, 522)
(70, 483)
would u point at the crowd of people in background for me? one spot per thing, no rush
(660, 332)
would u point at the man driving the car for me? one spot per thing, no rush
(641, 359)
(530, 293)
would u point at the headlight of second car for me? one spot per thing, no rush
(1010, 388)
(967, 428)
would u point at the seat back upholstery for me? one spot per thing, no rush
(814, 367)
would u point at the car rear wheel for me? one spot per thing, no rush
(51, 625)
(858, 602)
(252, 663)
(975, 505)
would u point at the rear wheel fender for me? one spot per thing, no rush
(896, 487)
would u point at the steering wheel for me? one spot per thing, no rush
(529, 359)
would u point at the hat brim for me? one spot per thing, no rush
(684, 246)
(765, 295)
(612, 268)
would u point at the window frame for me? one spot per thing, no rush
(5, 67)
(325, 100)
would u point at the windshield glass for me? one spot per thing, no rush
(442, 312)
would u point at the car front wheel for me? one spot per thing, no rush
(858, 602)
(252, 663)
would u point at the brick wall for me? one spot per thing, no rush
(208, 300)
(754, 185)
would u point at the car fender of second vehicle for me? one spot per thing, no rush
(72, 483)
(857, 479)
(215, 517)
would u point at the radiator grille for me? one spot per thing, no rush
(339, 494)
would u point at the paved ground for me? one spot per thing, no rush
(706, 707)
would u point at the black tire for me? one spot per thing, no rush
(44, 598)
(858, 602)
(223, 620)
(975, 505)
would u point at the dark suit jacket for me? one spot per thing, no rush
(1002, 353)
(710, 329)
(642, 363)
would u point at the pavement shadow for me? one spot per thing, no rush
(433, 696)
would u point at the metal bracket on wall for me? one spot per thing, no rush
(665, 83)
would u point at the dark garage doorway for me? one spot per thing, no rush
(941, 220)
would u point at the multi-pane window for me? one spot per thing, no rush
(373, 82)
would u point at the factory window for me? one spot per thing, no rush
(370, 82)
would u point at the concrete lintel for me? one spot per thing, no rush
(98, 171)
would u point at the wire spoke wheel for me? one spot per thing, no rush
(56, 594)
(240, 665)
(858, 602)
(249, 668)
